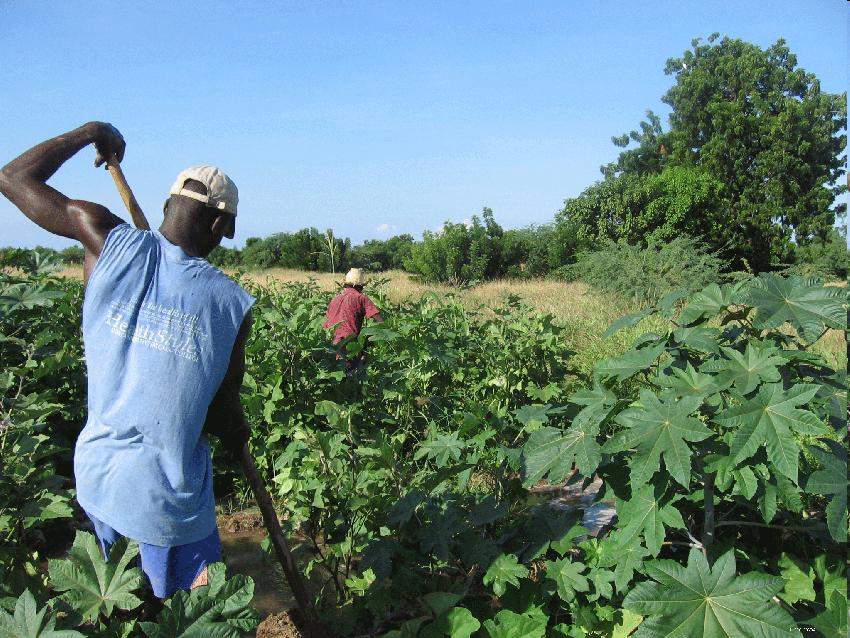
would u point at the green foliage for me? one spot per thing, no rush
(225, 257)
(42, 387)
(805, 303)
(305, 249)
(657, 427)
(536, 251)
(705, 601)
(418, 485)
(826, 257)
(832, 481)
(217, 610)
(645, 275)
(832, 621)
(94, 589)
(30, 622)
(460, 253)
(377, 254)
(762, 131)
(92, 586)
(642, 208)
(72, 255)
(504, 571)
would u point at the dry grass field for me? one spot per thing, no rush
(583, 312)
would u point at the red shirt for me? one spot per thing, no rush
(347, 310)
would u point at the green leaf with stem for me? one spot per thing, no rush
(832, 481)
(658, 427)
(770, 419)
(30, 622)
(505, 570)
(94, 586)
(699, 601)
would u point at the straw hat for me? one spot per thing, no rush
(355, 277)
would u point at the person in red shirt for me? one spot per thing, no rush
(347, 311)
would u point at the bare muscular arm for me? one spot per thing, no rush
(24, 182)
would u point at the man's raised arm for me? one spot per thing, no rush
(24, 182)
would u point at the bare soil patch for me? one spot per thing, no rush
(279, 626)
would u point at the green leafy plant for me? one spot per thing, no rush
(220, 609)
(703, 600)
(645, 274)
(93, 587)
(30, 622)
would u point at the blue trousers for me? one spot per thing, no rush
(167, 568)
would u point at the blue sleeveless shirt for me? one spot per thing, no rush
(158, 328)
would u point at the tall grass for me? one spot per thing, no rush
(584, 311)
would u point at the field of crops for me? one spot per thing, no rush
(713, 425)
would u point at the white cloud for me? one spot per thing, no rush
(387, 228)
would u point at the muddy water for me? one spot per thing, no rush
(243, 555)
(595, 516)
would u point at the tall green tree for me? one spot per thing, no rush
(460, 253)
(644, 207)
(761, 126)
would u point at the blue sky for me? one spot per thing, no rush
(372, 118)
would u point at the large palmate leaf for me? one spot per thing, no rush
(505, 570)
(508, 624)
(699, 338)
(29, 622)
(625, 558)
(598, 400)
(442, 448)
(832, 480)
(770, 419)
(689, 382)
(92, 585)
(647, 513)
(708, 302)
(655, 428)
(568, 576)
(799, 579)
(748, 369)
(832, 622)
(704, 602)
(805, 303)
(218, 610)
(24, 296)
(550, 452)
(629, 363)
(533, 416)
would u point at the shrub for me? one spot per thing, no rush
(827, 258)
(460, 253)
(644, 275)
(72, 255)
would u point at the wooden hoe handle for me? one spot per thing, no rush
(130, 202)
(312, 626)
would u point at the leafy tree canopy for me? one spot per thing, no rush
(766, 141)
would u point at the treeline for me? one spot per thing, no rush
(745, 178)
(747, 171)
(309, 249)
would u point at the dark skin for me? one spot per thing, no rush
(188, 223)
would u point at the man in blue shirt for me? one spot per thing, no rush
(164, 334)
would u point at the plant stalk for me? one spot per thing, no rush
(708, 505)
(312, 625)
